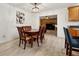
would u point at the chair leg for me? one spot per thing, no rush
(65, 43)
(24, 44)
(67, 49)
(41, 39)
(70, 51)
(37, 42)
(22, 41)
(31, 43)
(19, 42)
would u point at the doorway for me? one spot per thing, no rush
(50, 21)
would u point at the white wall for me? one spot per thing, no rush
(7, 22)
(62, 19)
(8, 30)
(34, 20)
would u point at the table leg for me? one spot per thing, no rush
(37, 41)
(31, 42)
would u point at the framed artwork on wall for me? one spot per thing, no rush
(20, 17)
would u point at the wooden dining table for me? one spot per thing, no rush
(33, 32)
(77, 29)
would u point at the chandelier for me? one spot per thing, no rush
(35, 9)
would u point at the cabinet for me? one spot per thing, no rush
(48, 21)
(73, 13)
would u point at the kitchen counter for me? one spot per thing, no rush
(73, 26)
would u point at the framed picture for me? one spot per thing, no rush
(20, 17)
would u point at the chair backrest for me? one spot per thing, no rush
(43, 30)
(40, 31)
(67, 35)
(19, 30)
(26, 28)
(21, 33)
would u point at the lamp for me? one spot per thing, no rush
(46, 17)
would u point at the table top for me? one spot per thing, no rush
(76, 28)
(33, 30)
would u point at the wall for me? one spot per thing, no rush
(62, 19)
(32, 19)
(35, 21)
(8, 30)
(7, 22)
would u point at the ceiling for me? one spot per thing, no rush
(42, 7)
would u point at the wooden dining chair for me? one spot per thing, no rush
(27, 28)
(23, 37)
(42, 34)
(37, 36)
(19, 31)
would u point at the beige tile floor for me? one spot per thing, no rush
(52, 46)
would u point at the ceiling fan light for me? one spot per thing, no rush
(35, 9)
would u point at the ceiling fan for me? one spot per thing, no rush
(35, 9)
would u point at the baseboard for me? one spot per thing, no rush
(4, 41)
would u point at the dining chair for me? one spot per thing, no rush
(19, 31)
(23, 37)
(71, 43)
(27, 28)
(40, 35)
(65, 38)
(43, 30)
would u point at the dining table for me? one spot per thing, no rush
(33, 32)
(77, 29)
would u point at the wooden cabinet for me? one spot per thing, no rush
(48, 21)
(73, 13)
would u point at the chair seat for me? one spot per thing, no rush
(27, 38)
(75, 43)
(34, 36)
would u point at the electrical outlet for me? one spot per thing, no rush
(3, 36)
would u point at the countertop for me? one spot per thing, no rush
(73, 26)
